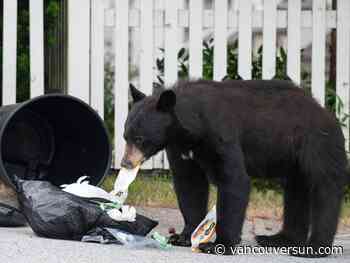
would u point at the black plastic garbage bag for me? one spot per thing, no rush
(100, 235)
(11, 217)
(54, 213)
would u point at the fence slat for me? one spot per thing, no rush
(245, 39)
(170, 45)
(343, 64)
(121, 84)
(36, 47)
(79, 49)
(97, 56)
(146, 59)
(293, 46)
(196, 38)
(158, 159)
(208, 18)
(269, 39)
(220, 39)
(319, 50)
(171, 42)
(9, 63)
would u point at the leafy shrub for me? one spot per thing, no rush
(109, 99)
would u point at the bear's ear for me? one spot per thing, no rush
(167, 101)
(157, 88)
(136, 95)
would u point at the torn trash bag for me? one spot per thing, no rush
(53, 213)
(11, 217)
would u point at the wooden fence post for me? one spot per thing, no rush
(79, 49)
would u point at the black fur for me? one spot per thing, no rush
(136, 94)
(238, 129)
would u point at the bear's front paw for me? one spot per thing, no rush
(180, 240)
(278, 240)
(216, 248)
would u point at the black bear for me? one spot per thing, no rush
(225, 132)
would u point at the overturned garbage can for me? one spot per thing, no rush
(56, 138)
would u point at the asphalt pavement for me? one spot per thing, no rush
(21, 245)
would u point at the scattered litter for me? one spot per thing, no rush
(171, 230)
(121, 184)
(205, 230)
(54, 213)
(162, 240)
(11, 217)
(84, 189)
(100, 235)
(118, 212)
(114, 236)
(110, 206)
(109, 203)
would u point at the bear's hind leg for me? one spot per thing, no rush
(192, 191)
(296, 216)
(326, 203)
(324, 160)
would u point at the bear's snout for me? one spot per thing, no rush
(127, 164)
(132, 157)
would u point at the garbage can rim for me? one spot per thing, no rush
(46, 96)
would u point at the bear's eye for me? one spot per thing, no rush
(139, 140)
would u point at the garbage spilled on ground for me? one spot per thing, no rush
(108, 235)
(83, 212)
(204, 231)
(107, 201)
(41, 150)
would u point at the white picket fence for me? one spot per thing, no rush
(87, 19)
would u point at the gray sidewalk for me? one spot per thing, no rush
(20, 245)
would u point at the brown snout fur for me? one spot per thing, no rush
(132, 157)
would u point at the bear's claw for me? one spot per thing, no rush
(277, 240)
(180, 240)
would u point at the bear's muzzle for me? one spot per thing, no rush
(132, 157)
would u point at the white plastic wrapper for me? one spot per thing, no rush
(83, 189)
(121, 184)
(205, 230)
(126, 213)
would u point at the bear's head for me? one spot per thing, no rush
(148, 126)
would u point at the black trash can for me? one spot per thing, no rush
(56, 138)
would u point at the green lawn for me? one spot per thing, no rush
(157, 191)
